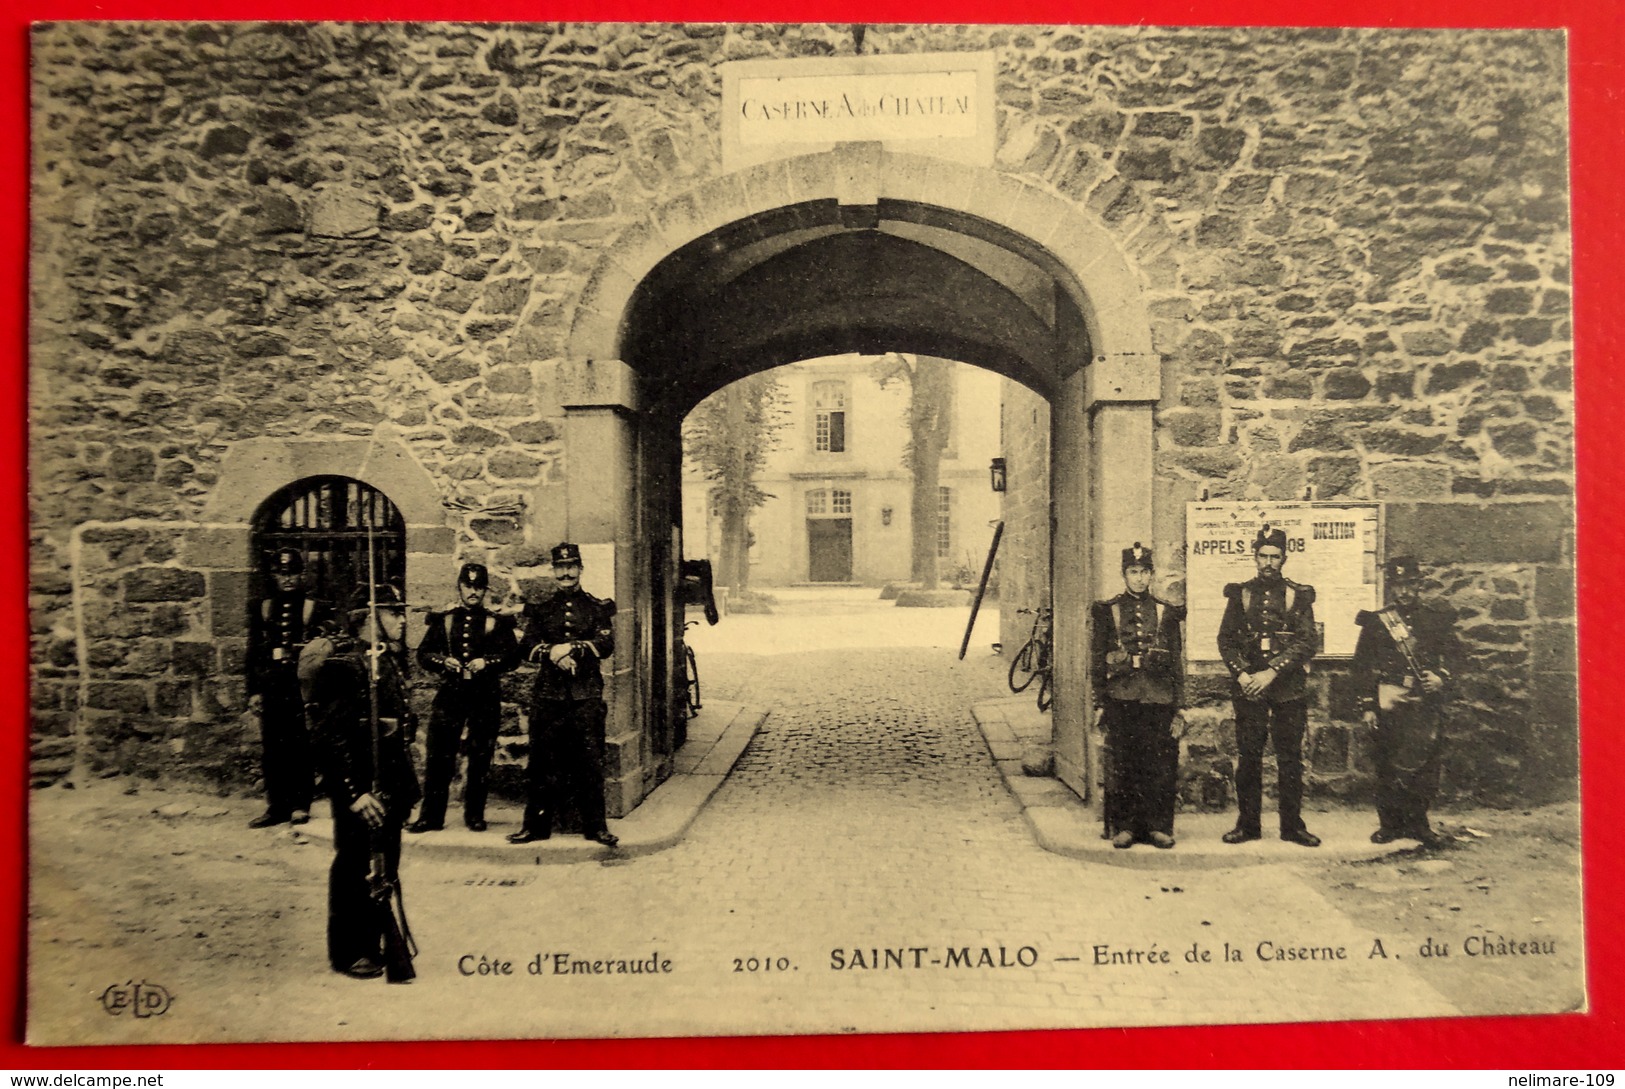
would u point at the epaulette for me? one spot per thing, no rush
(1232, 590)
(1365, 617)
(1302, 588)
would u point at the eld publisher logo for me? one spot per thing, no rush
(138, 999)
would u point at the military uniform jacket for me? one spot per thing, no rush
(341, 723)
(1379, 660)
(574, 617)
(1270, 625)
(1136, 649)
(282, 625)
(459, 636)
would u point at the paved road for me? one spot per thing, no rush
(866, 827)
(865, 859)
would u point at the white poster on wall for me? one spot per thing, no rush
(1330, 546)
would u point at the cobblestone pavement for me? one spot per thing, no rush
(863, 869)
(866, 860)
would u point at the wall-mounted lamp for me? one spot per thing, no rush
(885, 516)
(996, 473)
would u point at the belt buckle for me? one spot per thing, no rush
(1134, 661)
(1408, 681)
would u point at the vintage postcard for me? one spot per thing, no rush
(556, 530)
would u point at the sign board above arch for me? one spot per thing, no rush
(938, 104)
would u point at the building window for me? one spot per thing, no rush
(329, 520)
(945, 521)
(829, 417)
(829, 503)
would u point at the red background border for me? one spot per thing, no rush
(1595, 1040)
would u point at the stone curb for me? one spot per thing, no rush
(716, 738)
(1064, 824)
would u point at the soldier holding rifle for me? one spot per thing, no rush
(363, 727)
(1401, 678)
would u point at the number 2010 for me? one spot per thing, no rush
(765, 964)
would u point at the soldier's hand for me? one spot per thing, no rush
(475, 666)
(1369, 718)
(1431, 681)
(369, 809)
(561, 652)
(1263, 679)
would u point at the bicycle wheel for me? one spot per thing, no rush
(1021, 668)
(1045, 698)
(691, 690)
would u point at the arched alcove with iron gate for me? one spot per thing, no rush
(864, 250)
(334, 522)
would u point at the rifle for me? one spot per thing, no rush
(399, 948)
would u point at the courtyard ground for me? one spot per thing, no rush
(863, 868)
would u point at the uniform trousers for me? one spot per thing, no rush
(1144, 768)
(355, 920)
(478, 708)
(1285, 723)
(285, 759)
(566, 761)
(1407, 750)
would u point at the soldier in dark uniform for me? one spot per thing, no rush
(1401, 677)
(368, 809)
(1266, 638)
(470, 648)
(1138, 668)
(279, 628)
(567, 636)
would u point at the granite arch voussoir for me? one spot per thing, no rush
(1088, 252)
(256, 468)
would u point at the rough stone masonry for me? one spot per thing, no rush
(1354, 243)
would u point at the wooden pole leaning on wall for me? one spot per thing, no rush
(987, 570)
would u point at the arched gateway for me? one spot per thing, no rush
(856, 249)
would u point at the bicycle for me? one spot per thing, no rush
(691, 674)
(1033, 659)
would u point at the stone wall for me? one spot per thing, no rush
(1024, 549)
(1353, 244)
